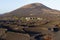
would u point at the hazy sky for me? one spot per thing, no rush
(9, 5)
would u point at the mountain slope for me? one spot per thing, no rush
(34, 10)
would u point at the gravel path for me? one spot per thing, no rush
(57, 36)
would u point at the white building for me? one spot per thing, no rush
(33, 18)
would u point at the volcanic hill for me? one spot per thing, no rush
(30, 22)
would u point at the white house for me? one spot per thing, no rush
(33, 18)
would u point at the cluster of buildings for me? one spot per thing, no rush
(31, 18)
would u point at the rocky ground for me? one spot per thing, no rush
(15, 30)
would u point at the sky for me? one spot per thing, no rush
(10, 5)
